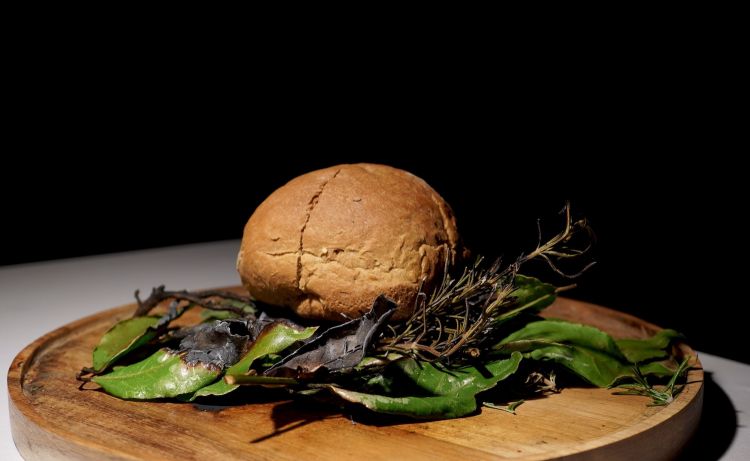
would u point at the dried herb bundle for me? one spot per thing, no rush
(458, 317)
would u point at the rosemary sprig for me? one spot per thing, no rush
(453, 320)
(662, 396)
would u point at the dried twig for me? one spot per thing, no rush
(556, 248)
(199, 298)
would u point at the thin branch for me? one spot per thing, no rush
(199, 298)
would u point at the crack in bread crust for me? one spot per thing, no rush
(310, 207)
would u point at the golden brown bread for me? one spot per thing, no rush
(330, 241)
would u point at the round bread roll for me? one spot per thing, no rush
(330, 241)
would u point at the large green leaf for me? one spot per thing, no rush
(587, 351)
(122, 338)
(453, 391)
(274, 339)
(558, 331)
(640, 350)
(594, 366)
(661, 369)
(163, 374)
(416, 407)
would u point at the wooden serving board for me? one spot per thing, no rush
(52, 419)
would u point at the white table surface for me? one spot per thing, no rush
(39, 297)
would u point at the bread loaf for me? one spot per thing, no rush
(328, 242)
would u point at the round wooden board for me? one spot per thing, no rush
(52, 419)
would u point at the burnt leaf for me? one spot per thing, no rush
(122, 338)
(339, 348)
(219, 343)
(274, 338)
(163, 374)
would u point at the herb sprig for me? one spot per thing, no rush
(664, 395)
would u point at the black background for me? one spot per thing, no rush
(668, 240)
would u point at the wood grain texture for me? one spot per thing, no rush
(51, 419)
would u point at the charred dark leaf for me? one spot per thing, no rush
(339, 348)
(218, 344)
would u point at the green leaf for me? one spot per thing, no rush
(660, 369)
(453, 390)
(415, 407)
(163, 374)
(641, 350)
(122, 338)
(272, 340)
(587, 351)
(532, 291)
(558, 331)
(531, 294)
(594, 366)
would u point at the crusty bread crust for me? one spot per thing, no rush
(329, 242)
